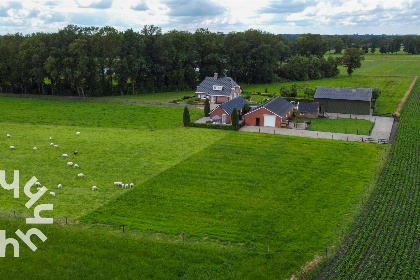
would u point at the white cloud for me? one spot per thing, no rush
(284, 16)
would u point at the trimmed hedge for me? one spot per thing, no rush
(215, 126)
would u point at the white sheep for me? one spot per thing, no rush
(37, 184)
(80, 175)
(76, 165)
(126, 186)
(131, 185)
(65, 155)
(55, 146)
(8, 135)
(78, 133)
(69, 163)
(51, 144)
(52, 194)
(94, 188)
(12, 147)
(38, 189)
(50, 138)
(117, 184)
(59, 186)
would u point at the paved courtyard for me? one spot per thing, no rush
(380, 133)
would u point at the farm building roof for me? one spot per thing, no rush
(358, 94)
(238, 103)
(308, 107)
(227, 84)
(277, 106)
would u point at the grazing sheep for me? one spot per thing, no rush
(51, 144)
(94, 188)
(76, 165)
(65, 155)
(126, 186)
(52, 194)
(131, 185)
(8, 135)
(76, 152)
(117, 184)
(37, 184)
(50, 138)
(34, 148)
(78, 133)
(80, 175)
(55, 146)
(69, 163)
(38, 189)
(59, 186)
(12, 147)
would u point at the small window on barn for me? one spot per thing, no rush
(217, 87)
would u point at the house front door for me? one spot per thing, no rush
(257, 121)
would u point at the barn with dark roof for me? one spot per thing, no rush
(223, 112)
(218, 89)
(344, 100)
(274, 113)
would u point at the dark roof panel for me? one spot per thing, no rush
(308, 107)
(278, 106)
(207, 84)
(359, 94)
(238, 103)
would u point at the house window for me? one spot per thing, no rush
(217, 87)
(234, 95)
(224, 118)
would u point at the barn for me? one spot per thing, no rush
(223, 112)
(273, 113)
(344, 100)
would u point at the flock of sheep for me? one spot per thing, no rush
(71, 164)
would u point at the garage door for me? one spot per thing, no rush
(270, 120)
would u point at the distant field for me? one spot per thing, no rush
(350, 126)
(91, 114)
(163, 97)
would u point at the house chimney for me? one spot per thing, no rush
(215, 76)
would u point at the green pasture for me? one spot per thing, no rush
(349, 126)
(105, 156)
(252, 189)
(91, 113)
(163, 97)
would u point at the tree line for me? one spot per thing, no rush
(103, 61)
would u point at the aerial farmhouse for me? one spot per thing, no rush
(218, 89)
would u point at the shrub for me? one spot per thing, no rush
(187, 119)
(235, 119)
(284, 91)
(207, 108)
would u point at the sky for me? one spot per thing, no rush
(279, 17)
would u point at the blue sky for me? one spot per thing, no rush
(279, 17)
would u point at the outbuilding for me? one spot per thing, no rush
(344, 100)
(308, 110)
(223, 112)
(274, 113)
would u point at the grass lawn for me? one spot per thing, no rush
(91, 113)
(222, 194)
(105, 155)
(349, 126)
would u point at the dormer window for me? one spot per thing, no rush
(217, 87)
